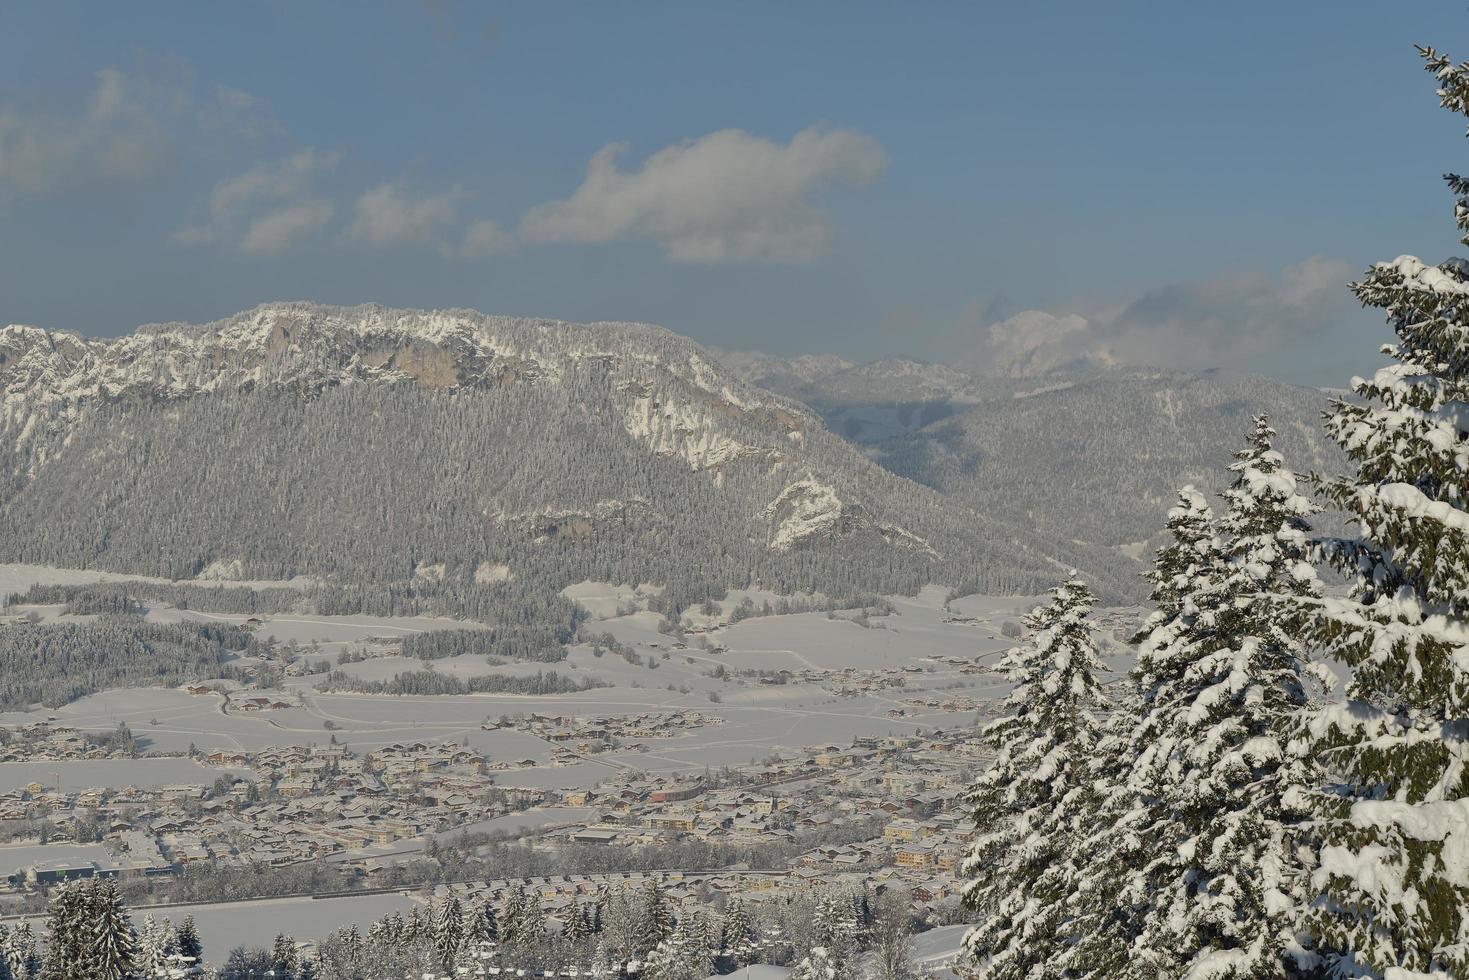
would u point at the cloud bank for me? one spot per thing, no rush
(1225, 320)
(269, 208)
(727, 196)
(127, 129)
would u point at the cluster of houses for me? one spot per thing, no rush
(605, 733)
(276, 806)
(885, 810)
(45, 742)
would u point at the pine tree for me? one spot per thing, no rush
(656, 923)
(838, 929)
(479, 929)
(19, 951)
(109, 953)
(284, 957)
(187, 940)
(1111, 888)
(510, 916)
(577, 928)
(530, 922)
(1223, 680)
(682, 955)
(1032, 803)
(448, 932)
(152, 957)
(1394, 895)
(817, 966)
(67, 933)
(741, 942)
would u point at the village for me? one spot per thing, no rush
(881, 810)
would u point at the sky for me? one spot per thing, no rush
(1012, 187)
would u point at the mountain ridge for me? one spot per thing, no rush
(561, 450)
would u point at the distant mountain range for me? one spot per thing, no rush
(1088, 461)
(451, 453)
(453, 450)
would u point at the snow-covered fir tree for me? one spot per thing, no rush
(284, 957)
(819, 965)
(1394, 861)
(108, 953)
(1032, 804)
(1112, 890)
(186, 938)
(741, 941)
(481, 928)
(1223, 681)
(66, 939)
(840, 929)
(656, 920)
(682, 955)
(156, 942)
(22, 961)
(448, 932)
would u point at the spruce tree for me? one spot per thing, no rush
(20, 954)
(1114, 851)
(109, 952)
(741, 942)
(1224, 681)
(1030, 807)
(284, 957)
(448, 932)
(1394, 893)
(187, 940)
(479, 930)
(656, 923)
(152, 954)
(67, 933)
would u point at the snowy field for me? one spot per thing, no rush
(226, 925)
(16, 577)
(924, 642)
(936, 949)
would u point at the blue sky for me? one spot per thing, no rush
(1002, 184)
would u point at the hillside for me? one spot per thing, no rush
(1097, 460)
(1088, 462)
(451, 453)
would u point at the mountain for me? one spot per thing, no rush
(1086, 461)
(863, 402)
(451, 453)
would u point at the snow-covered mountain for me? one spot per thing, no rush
(863, 402)
(367, 444)
(1085, 461)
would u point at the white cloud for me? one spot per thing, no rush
(726, 196)
(274, 203)
(127, 130)
(485, 238)
(117, 136)
(389, 215)
(1034, 341)
(1219, 322)
(278, 230)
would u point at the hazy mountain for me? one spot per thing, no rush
(863, 402)
(1091, 461)
(452, 451)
